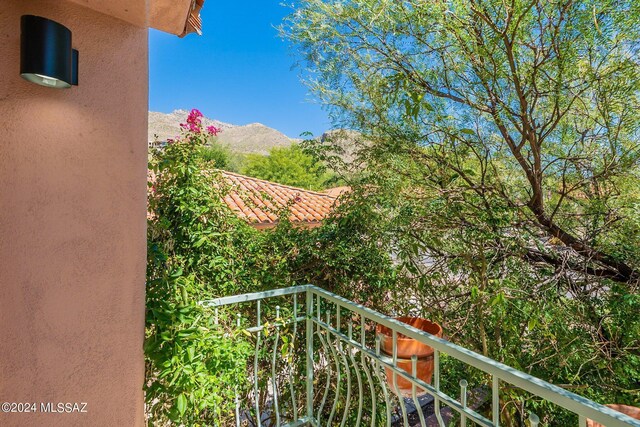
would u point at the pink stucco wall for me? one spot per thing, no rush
(72, 223)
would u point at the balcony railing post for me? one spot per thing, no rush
(309, 339)
(534, 420)
(463, 401)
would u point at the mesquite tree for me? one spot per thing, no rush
(548, 89)
(502, 138)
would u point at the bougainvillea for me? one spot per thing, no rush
(193, 124)
(198, 249)
(190, 360)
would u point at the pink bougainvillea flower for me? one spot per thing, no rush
(194, 117)
(212, 130)
(191, 127)
(194, 122)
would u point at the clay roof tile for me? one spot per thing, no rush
(260, 202)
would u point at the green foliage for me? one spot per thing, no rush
(344, 255)
(190, 361)
(217, 155)
(288, 166)
(514, 103)
(191, 257)
(502, 154)
(198, 249)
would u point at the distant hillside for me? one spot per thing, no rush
(343, 143)
(251, 138)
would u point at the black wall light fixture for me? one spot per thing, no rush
(46, 56)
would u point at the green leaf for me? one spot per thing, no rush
(181, 404)
(200, 242)
(498, 299)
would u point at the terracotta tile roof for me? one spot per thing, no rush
(337, 191)
(259, 202)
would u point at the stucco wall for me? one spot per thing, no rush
(164, 15)
(72, 223)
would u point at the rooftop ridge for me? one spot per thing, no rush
(224, 172)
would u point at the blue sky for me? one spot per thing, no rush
(239, 71)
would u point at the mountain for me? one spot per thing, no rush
(254, 138)
(251, 138)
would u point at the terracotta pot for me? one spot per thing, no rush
(406, 348)
(632, 411)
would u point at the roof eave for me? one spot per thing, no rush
(271, 225)
(193, 23)
(178, 17)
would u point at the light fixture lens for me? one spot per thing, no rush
(45, 80)
(48, 81)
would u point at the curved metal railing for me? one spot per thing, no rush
(318, 361)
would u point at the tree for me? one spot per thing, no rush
(219, 156)
(502, 146)
(288, 166)
(542, 94)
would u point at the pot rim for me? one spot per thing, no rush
(387, 332)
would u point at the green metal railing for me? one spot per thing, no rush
(318, 362)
